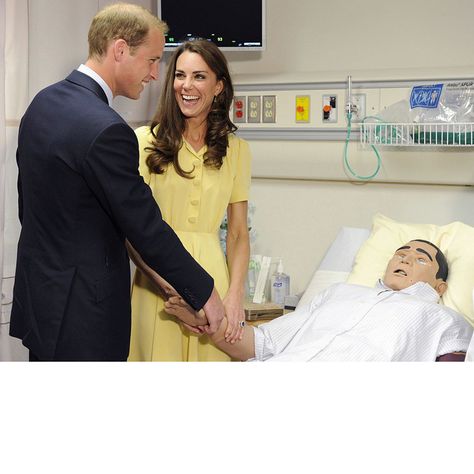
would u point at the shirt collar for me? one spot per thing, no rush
(198, 154)
(92, 74)
(420, 289)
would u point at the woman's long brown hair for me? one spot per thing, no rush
(168, 136)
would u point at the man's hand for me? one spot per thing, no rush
(215, 312)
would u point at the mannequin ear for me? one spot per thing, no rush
(441, 287)
(119, 47)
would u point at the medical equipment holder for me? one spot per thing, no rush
(417, 134)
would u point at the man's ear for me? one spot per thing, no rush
(441, 287)
(119, 48)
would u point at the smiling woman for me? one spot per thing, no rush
(198, 170)
(196, 87)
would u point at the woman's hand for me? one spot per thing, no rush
(238, 250)
(234, 310)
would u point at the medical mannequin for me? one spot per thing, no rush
(351, 322)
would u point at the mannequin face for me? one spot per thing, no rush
(411, 263)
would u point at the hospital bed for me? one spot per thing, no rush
(339, 262)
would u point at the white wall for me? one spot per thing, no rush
(369, 39)
(341, 35)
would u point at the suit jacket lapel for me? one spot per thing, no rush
(83, 80)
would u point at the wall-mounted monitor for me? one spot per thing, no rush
(234, 25)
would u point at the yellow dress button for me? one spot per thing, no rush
(191, 220)
(197, 182)
(195, 202)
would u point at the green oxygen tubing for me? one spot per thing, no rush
(346, 145)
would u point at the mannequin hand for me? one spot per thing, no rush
(176, 306)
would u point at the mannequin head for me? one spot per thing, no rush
(418, 260)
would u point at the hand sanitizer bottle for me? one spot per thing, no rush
(280, 285)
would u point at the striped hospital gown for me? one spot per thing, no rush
(357, 323)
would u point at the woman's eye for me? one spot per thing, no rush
(421, 261)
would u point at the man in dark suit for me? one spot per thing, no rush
(81, 197)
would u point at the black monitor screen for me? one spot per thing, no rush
(231, 24)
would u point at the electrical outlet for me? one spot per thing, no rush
(269, 109)
(358, 107)
(240, 109)
(254, 106)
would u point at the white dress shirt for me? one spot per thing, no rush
(91, 73)
(357, 323)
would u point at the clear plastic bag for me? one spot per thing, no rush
(443, 103)
(452, 102)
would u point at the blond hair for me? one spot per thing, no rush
(121, 21)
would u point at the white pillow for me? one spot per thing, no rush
(336, 263)
(341, 253)
(456, 240)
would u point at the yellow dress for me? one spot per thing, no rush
(194, 208)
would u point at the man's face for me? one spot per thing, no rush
(138, 68)
(411, 263)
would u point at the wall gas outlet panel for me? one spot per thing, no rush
(329, 109)
(240, 109)
(358, 107)
(302, 107)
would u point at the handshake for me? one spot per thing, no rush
(197, 322)
(210, 318)
(235, 339)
